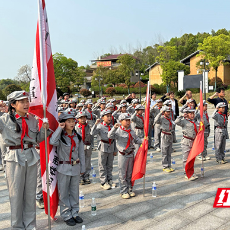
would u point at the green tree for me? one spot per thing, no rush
(11, 88)
(170, 72)
(66, 72)
(6, 82)
(127, 66)
(168, 61)
(216, 50)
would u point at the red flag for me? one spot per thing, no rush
(139, 166)
(198, 144)
(44, 96)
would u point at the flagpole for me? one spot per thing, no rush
(144, 186)
(202, 162)
(44, 109)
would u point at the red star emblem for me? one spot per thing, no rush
(24, 93)
(69, 112)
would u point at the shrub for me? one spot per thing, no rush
(123, 85)
(109, 85)
(219, 82)
(85, 92)
(11, 88)
(111, 91)
(121, 90)
(137, 85)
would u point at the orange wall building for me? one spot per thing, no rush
(155, 72)
(223, 70)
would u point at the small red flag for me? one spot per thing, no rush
(198, 144)
(139, 166)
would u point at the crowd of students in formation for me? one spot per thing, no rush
(119, 128)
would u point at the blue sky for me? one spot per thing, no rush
(85, 29)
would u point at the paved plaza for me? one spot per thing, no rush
(180, 204)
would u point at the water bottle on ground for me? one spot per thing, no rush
(173, 164)
(91, 172)
(202, 171)
(151, 157)
(93, 207)
(154, 190)
(83, 227)
(94, 177)
(81, 200)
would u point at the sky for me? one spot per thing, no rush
(85, 29)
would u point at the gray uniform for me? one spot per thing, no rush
(39, 193)
(131, 109)
(189, 135)
(220, 122)
(166, 138)
(97, 111)
(138, 127)
(116, 114)
(206, 131)
(125, 156)
(157, 130)
(21, 170)
(87, 149)
(68, 175)
(106, 150)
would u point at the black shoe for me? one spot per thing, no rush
(78, 219)
(40, 203)
(70, 222)
(87, 181)
(82, 182)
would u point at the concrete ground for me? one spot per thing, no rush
(180, 204)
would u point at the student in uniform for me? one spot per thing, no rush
(189, 130)
(84, 129)
(165, 120)
(157, 131)
(189, 104)
(106, 147)
(20, 134)
(71, 156)
(206, 131)
(125, 138)
(99, 108)
(137, 124)
(220, 122)
(121, 109)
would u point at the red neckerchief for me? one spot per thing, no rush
(224, 115)
(170, 122)
(130, 136)
(115, 108)
(24, 128)
(141, 117)
(109, 128)
(91, 116)
(206, 114)
(113, 119)
(82, 126)
(73, 144)
(195, 128)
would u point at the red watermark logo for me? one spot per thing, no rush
(222, 199)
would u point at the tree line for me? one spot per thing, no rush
(214, 46)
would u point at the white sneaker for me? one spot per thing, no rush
(1, 168)
(106, 186)
(207, 158)
(158, 149)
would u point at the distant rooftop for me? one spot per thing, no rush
(112, 57)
